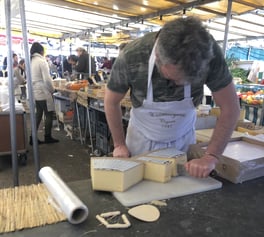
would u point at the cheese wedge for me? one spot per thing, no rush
(115, 175)
(171, 154)
(156, 170)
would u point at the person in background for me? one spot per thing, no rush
(15, 64)
(165, 72)
(20, 79)
(42, 90)
(15, 60)
(72, 60)
(58, 65)
(5, 64)
(67, 66)
(82, 65)
(107, 65)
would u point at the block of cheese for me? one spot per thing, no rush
(115, 175)
(156, 169)
(171, 154)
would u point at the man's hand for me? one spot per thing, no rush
(121, 151)
(201, 167)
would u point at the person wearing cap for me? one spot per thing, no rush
(165, 72)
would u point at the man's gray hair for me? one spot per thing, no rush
(187, 43)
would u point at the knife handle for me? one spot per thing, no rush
(213, 173)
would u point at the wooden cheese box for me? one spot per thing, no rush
(242, 160)
(204, 135)
(171, 154)
(155, 169)
(115, 175)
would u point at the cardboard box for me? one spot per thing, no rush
(5, 136)
(115, 175)
(204, 135)
(215, 111)
(59, 83)
(242, 160)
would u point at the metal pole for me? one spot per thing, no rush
(249, 52)
(30, 94)
(90, 58)
(61, 60)
(11, 93)
(228, 17)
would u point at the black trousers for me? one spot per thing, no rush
(41, 107)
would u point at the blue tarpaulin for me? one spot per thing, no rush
(245, 53)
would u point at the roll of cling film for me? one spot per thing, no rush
(74, 209)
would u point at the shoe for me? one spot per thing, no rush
(49, 139)
(31, 141)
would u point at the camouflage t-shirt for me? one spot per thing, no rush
(130, 71)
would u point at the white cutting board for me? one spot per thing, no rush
(147, 191)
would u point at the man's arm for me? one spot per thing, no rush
(114, 119)
(227, 100)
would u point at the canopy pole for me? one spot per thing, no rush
(12, 108)
(90, 57)
(61, 60)
(30, 91)
(228, 17)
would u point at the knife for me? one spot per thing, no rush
(183, 172)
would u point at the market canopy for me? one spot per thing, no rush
(114, 21)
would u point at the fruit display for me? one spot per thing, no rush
(76, 85)
(251, 94)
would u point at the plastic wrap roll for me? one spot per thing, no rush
(74, 209)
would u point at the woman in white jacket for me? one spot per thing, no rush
(42, 90)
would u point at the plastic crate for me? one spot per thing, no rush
(103, 137)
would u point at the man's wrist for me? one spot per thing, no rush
(212, 155)
(119, 145)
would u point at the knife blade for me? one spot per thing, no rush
(183, 172)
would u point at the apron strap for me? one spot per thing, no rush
(187, 91)
(151, 64)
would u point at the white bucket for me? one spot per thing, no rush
(204, 109)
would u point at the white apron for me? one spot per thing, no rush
(157, 125)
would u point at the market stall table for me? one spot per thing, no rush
(234, 210)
